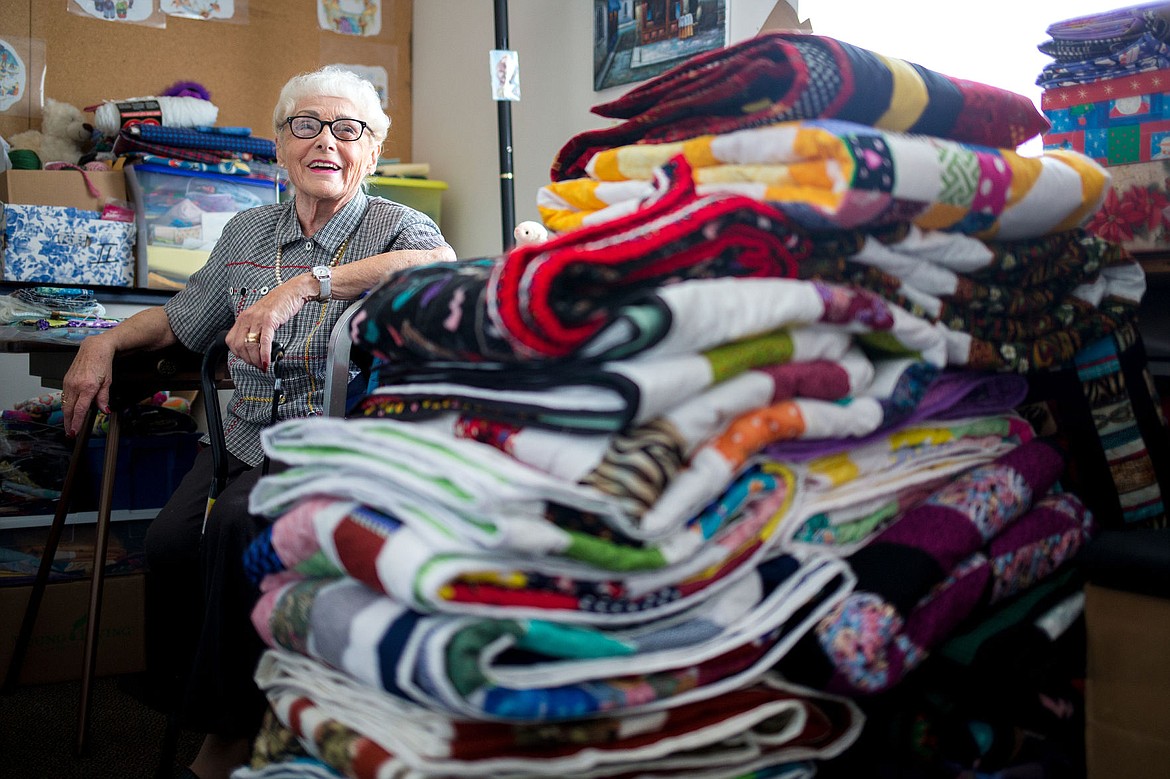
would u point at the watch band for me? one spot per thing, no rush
(324, 276)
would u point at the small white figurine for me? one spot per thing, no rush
(530, 232)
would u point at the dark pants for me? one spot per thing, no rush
(201, 648)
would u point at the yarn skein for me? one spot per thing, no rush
(184, 111)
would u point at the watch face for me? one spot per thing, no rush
(323, 273)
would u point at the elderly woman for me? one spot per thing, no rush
(280, 272)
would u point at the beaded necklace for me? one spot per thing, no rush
(337, 255)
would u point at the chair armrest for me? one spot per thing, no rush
(337, 371)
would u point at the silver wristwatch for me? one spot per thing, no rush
(324, 276)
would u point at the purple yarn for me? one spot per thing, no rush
(187, 89)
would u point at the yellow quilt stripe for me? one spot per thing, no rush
(909, 97)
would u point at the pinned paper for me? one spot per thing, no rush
(13, 75)
(350, 17)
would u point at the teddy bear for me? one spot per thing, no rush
(64, 135)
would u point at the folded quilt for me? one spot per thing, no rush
(449, 316)
(871, 645)
(550, 300)
(666, 440)
(524, 670)
(442, 482)
(572, 574)
(829, 174)
(128, 143)
(635, 465)
(953, 394)
(918, 550)
(1121, 24)
(365, 734)
(850, 496)
(1036, 304)
(897, 387)
(779, 76)
(593, 397)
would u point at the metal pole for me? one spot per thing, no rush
(504, 122)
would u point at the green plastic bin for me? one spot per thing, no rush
(420, 194)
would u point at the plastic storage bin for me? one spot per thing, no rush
(149, 469)
(420, 194)
(181, 214)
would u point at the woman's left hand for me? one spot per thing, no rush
(251, 336)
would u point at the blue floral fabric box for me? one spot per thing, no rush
(66, 246)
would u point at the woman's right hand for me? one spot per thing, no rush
(87, 381)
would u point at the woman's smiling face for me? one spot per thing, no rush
(324, 168)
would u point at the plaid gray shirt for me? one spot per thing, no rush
(241, 269)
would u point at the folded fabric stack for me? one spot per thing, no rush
(210, 145)
(1121, 42)
(508, 592)
(993, 531)
(609, 484)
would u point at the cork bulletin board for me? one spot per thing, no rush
(86, 61)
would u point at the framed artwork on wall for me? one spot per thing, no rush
(634, 40)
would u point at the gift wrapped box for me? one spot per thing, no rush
(1117, 121)
(1136, 210)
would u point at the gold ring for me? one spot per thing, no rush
(64, 400)
(252, 338)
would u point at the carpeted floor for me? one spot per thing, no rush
(38, 730)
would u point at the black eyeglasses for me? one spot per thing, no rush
(310, 127)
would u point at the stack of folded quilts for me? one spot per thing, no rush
(607, 485)
(1013, 256)
(1110, 44)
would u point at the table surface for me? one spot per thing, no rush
(136, 375)
(26, 339)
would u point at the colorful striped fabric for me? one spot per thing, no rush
(831, 174)
(1103, 407)
(780, 76)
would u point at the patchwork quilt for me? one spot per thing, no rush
(829, 174)
(780, 76)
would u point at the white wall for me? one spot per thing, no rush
(455, 125)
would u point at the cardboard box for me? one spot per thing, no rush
(1116, 121)
(64, 188)
(55, 653)
(61, 245)
(1127, 692)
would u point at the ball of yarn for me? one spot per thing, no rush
(187, 89)
(24, 159)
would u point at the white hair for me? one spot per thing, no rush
(334, 81)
